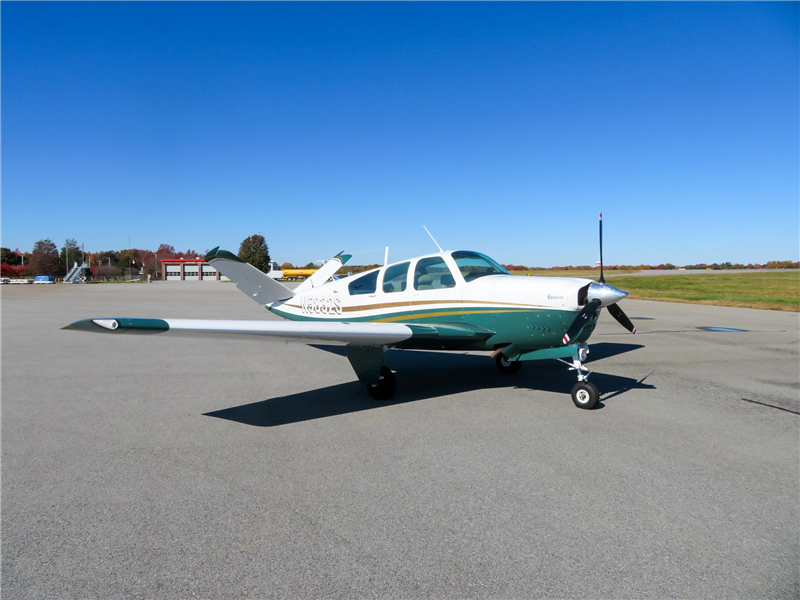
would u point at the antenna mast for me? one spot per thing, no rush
(434, 239)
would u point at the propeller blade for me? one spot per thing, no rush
(583, 317)
(602, 279)
(621, 318)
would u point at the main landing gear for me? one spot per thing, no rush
(584, 394)
(507, 366)
(384, 389)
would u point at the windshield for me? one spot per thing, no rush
(474, 265)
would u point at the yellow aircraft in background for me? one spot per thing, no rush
(275, 272)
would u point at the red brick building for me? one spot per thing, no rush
(189, 269)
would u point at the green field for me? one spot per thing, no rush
(773, 291)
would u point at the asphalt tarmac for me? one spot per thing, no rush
(176, 468)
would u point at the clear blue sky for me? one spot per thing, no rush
(504, 128)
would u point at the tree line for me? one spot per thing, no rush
(47, 259)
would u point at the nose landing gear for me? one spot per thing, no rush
(584, 394)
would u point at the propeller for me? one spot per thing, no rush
(602, 279)
(583, 317)
(598, 295)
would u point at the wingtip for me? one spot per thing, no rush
(223, 254)
(343, 257)
(83, 325)
(114, 325)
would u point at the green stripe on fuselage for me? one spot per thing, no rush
(528, 328)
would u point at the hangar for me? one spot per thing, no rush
(189, 269)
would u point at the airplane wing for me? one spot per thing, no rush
(258, 285)
(363, 334)
(434, 336)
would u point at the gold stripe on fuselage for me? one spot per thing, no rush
(383, 305)
(414, 316)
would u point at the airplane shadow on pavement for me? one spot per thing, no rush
(426, 375)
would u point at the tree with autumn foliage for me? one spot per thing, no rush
(165, 251)
(15, 271)
(10, 257)
(44, 259)
(254, 250)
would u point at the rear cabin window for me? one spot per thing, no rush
(366, 284)
(433, 274)
(395, 278)
(474, 265)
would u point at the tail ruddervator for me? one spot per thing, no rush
(256, 284)
(460, 300)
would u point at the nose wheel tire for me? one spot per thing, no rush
(507, 366)
(585, 395)
(384, 389)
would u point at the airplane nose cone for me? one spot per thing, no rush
(607, 294)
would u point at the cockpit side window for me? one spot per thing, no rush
(366, 284)
(432, 274)
(395, 278)
(474, 265)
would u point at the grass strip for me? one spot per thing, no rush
(771, 291)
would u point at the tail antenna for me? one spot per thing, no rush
(434, 239)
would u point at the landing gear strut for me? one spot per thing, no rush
(584, 394)
(384, 389)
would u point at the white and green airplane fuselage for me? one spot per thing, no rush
(460, 300)
(531, 312)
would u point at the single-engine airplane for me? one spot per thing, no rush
(451, 300)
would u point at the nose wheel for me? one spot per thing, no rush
(585, 395)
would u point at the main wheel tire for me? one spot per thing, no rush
(585, 395)
(507, 366)
(384, 389)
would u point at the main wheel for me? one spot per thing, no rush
(384, 389)
(507, 366)
(585, 395)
